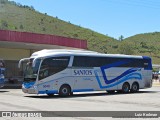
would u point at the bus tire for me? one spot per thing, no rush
(71, 93)
(119, 91)
(111, 91)
(50, 95)
(125, 88)
(64, 90)
(135, 87)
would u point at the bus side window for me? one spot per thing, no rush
(51, 66)
(44, 72)
(147, 64)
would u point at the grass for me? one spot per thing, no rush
(24, 19)
(146, 44)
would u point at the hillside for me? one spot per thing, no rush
(146, 44)
(17, 17)
(14, 16)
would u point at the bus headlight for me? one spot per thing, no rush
(23, 86)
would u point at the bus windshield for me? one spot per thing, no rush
(31, 72)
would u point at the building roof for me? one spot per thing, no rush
(27, 39)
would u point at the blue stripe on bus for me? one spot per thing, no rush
(119, 77)
(82, 90)
(115, 64)
(56, 91)
(48, 92)
(127, 77)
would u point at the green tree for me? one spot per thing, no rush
(151, 49)
(4, 24)
(103, 49)
(75, 35)
(32, 8)
(144, 45)
(44, 29)
(21, 27)
(126, 48)
(121, 38)
(3, 1)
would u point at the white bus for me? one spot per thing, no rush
(66, 71)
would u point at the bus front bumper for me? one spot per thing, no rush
(31, 90)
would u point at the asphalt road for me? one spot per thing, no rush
(144, 100)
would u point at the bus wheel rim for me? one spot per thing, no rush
(65, 90)
(134, 87)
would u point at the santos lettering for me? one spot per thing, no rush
(82, 72)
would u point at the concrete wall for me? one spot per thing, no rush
(11, 57)
(14, 54)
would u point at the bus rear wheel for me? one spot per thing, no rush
(135, 87)
(64, 90)
(125, 88)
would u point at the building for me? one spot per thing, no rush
(17, 45)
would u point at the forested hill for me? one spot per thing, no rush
(14, 16)
(17, 17)
(146, 44)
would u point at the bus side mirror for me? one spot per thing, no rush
(34, 61)
(20, 62)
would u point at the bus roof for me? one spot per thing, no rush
(67, 52)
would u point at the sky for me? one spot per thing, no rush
(109, 17)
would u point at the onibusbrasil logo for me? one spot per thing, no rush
(21, 114)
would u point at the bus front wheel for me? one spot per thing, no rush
(64, 90)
